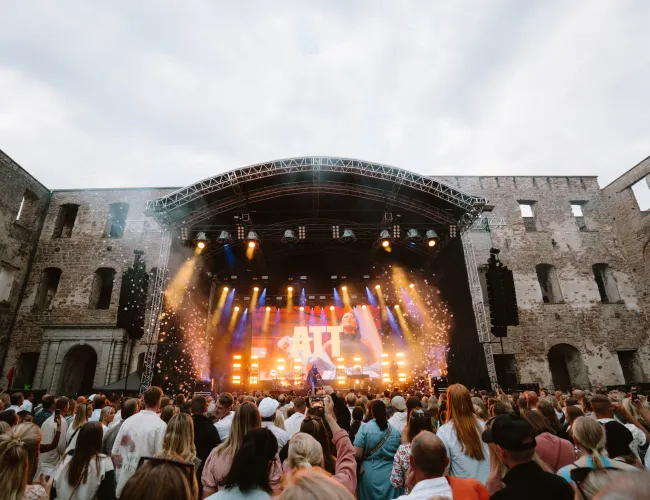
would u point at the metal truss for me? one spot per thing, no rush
(142, 226)
(436, 214)
(488, 223)
(151, 336)
(161, 207)
(479, 307)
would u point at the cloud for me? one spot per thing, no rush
(162, 93)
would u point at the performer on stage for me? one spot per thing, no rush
(354, 345)
(393, 372)
(313, 377)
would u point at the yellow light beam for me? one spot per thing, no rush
(233, 319)
(177, 286)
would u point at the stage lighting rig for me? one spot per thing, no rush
(384, 238)
(224, 238)
(413, 236)
(201, 241)
(431, 238)
(289, 237)
(348, 236)
(252, 239)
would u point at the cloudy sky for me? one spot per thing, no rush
(163, 93)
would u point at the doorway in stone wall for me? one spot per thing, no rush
(567, 367)
(78, 371)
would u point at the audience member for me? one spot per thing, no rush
(140, 436)
(461, 435)
(47, 409)
(80, 418)
(398, 420)
(292, 424)
(52, 431)
(224, 413)
(267, 409)
(314, 484)
(161, 479)
(206, 437)
(552, 450)
(99, 401)
(129, 408)
(417, 423)
(86, 473)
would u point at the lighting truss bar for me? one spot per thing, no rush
(162, 206)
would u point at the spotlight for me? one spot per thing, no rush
(348, 236)
(344, 288)
(413, 235)
(252, 239)
(431, 238)
(396, 306)
(302, 308)
(363, 307)
(377, 287)
(201, 240)
(224, 238)
(290, 289)
(332, 308)
(236, 308)
(256, 289)
(384, 238)
(289, 237)
(225, 288)
(268, 308)
(411, 285)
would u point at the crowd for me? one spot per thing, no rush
(457, 444)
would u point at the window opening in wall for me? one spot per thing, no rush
(506, 368)
(48, 288)
(27, 210)
(631, 366)
(549, 284)
(527, 209)
(577, 211)
(641, 191)
(102, 288)
(65, 221)
(7, 277)
(20, 209)
(116, 222)
(26, 370)
(606, 283)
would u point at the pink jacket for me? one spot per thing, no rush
(217, 467)
(345, 471)
(554, 451)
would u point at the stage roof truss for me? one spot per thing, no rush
(162, 208)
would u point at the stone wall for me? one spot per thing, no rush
(78, 256)
(18, 238)
(598, 330)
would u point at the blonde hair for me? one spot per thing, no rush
(278, 421)
(106, 411)
(19, 451)
(179, 439)
(304, 452)
(590, 435)
(81, 415)
(314, 484)
(4, 427)
(631, 409)
(247, 417)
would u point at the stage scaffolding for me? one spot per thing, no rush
(162, 208)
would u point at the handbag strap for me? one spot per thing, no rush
(380, 444)
(73, 435)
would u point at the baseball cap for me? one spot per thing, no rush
(511, 433)
(267, 407)
(398, 403)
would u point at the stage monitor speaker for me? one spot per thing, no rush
(133, 300)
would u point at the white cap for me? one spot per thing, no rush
(267, 407)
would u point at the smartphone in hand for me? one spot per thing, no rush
(57, 415)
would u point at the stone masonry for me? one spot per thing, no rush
(605, 335)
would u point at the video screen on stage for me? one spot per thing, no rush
(286, 343)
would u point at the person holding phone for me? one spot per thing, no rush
(53, 428)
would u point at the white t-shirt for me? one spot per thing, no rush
(48, 462)
(87, 490)
(436, 487)
(140, 436)
(293, 423)
(95, 416)
(460, 465)
(27, 405)
(398, 420)
(281, 435)
(223, 426)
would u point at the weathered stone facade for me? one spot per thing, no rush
(597, 331)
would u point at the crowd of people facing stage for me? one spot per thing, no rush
(459, 444)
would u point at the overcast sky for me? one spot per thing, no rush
(164, 93)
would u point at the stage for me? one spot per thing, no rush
(356, 268)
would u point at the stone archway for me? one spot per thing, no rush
(78, 371)
(567, 367)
